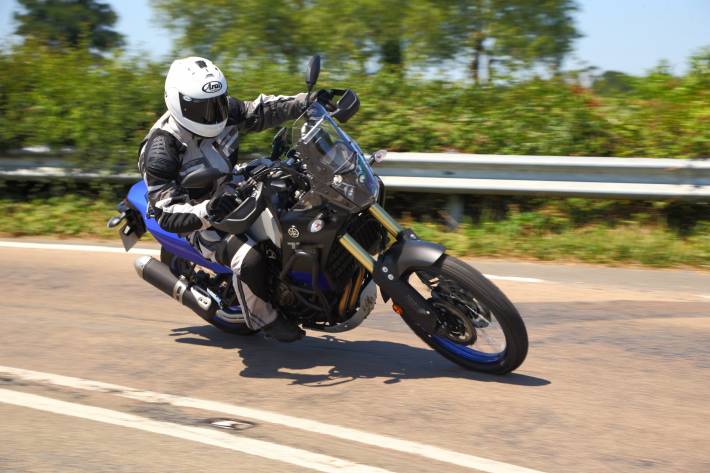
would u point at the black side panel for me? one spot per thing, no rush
(369, 234)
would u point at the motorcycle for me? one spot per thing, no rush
(317, 216)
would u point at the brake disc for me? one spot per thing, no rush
(458, 327)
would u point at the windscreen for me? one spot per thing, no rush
(337, 158)
(329, 147)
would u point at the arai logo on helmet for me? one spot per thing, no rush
(212, 87)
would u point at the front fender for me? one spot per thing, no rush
(393, 268)
(410, 254)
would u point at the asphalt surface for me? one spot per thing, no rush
(617, 379)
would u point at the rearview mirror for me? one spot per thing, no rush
(348, 105)
(377, 157)
(202, 177)
(313, 71)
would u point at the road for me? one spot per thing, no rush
(101, 372)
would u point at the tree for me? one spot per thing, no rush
(509, 34)
(69, 23)
(506, 33)
(613, 83)
(266, 30)
(359, 32)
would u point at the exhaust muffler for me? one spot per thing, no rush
(159, 275)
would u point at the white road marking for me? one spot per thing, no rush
(493, 277)
(153, 252)
(704, 296)
(345, 433)
(72, 247)
(250, 446)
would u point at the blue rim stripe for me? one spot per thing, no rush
(466, 352)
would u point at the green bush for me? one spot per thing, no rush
(103, 106)
(69, 98)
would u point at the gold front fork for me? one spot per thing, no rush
(357, 251)
(390, 224)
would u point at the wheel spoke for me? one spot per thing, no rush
(492, 343)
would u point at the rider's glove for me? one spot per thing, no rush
(322, 96)
(220, 206)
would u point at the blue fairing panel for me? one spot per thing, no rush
(173, 243)
(307, 279)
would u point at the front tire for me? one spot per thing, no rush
(179, 266)
(468, 305)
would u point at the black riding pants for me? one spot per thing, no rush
(248, 269)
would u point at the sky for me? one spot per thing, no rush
(630, 36)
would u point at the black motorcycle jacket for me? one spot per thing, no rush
(169, 152)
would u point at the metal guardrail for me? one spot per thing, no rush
(448, 173)
(640, 178)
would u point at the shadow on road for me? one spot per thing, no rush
(348, 360)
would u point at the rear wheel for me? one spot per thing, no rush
(230, 320)
(479, 328)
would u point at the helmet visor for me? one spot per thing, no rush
(206, 111)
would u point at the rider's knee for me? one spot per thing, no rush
(248, 266)
(226, 250)
(246, 262)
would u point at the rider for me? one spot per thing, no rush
(201, 129)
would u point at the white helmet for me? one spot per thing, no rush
(196, 96)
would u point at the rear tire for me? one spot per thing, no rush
(178, 266)
(486, 296)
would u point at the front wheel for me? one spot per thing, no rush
(478, 327)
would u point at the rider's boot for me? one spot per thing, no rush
(283, 330)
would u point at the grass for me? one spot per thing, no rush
(625, 244)
(533, 235)
(65, 217)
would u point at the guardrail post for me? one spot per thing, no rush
(454, 211)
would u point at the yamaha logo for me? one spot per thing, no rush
(293, 232)
(212, 87)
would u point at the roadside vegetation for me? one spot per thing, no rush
(71, 216)
(571, 229)
(460, 76)
(625, 243)
(103, 110)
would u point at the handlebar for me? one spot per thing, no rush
(264, 172)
